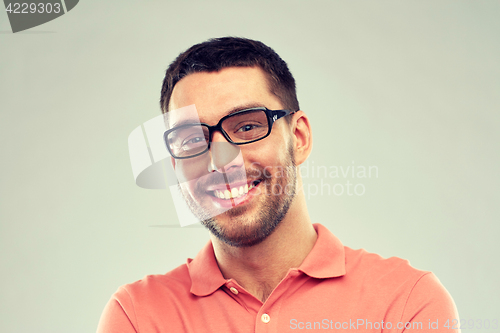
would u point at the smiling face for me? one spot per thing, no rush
(241, 193)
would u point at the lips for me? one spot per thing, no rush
(226, 196)
(236, 192)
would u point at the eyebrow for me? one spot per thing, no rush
(231, 111)
(243, 107)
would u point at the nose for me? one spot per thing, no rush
(223, 155)
(217, 136)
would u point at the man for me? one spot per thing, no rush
(237, 136)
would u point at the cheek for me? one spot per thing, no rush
(191, 169)
(270, 153)
(269, 162)
(188, 187)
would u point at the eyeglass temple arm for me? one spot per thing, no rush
(277, 114)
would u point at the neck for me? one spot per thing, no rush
(260, 268)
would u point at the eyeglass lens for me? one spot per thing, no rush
(247, 126)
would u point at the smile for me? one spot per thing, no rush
(235, 192)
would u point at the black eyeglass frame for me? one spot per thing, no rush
(272, 116)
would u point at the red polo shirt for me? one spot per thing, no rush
(335, 288)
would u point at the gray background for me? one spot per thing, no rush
(411, 87)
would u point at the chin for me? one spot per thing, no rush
(239, 231)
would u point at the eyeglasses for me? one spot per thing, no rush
(242, 127)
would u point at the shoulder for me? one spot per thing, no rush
(395, 280)
(386, 276)
(362, 263)
(153, 295)
(175, 283)
(430, 294)
(144, 303)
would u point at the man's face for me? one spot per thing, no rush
(266, 167)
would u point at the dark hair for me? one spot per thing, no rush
(218, 53)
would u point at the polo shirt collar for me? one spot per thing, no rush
(326, 260)
(204, 271)
(327, 257)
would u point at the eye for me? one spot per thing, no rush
(247, 127)
(193, 143)
(194, 140)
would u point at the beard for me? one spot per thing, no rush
(242, 228)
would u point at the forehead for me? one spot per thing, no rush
(216, 94)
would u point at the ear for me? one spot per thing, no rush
(302, 135)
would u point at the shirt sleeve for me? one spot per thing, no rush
(430, 308)
(118, 315)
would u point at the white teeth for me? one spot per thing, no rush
(235, 192)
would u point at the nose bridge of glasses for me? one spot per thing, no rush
(216, 135)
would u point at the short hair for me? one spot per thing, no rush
(218, 53)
